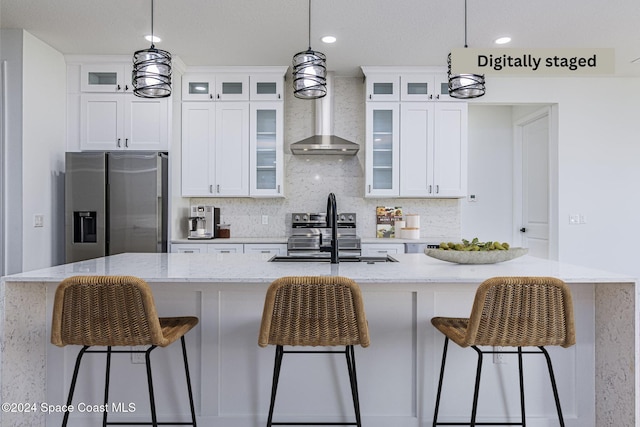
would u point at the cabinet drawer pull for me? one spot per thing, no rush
(225, 252)
(265, 251)
(188, 252)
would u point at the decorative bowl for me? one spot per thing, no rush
(476, 257)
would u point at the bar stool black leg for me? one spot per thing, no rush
(553, 385)
(106, 387)
(72, 387)
(152, 399)
(353, 379)
(476, 389)
(521, 375)
(186, 371)
(274, 385)
(444, 359)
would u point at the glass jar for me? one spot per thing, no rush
(224, 231)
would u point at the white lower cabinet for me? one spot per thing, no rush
(265, 248)
(268, 249)
(381, 249)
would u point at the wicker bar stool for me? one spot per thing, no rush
(511, 312)
(115, 311)
(314, 311)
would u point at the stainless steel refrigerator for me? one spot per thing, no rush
(115, 202)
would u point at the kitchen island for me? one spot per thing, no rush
(597, 378)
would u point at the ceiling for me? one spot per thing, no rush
(369, 32)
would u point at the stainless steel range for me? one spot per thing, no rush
(310, 235)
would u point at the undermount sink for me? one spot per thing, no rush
(322, 258)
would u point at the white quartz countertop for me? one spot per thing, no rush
(255, 268)
(234, 240)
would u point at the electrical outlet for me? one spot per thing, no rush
(498, 358)
(265, 219)
(38, 220)
(138, 358)
(574, 219)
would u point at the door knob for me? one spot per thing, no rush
(523, 230)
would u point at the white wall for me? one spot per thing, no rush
(598, 152)
(490, 175)
(36, 158)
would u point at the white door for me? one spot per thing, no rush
(532, 137)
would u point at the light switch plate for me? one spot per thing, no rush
(38, 220)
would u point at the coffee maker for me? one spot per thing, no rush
(202, 222)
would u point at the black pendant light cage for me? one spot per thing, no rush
(151, 75)
(465, 86)
(309, 71)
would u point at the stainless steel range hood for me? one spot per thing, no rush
(324, 141)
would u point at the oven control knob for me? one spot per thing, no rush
(342, 218)
(304, 218)
(351, 218)
(296, 218)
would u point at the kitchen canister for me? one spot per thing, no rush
(411, 233)
(398, 225)
(413, 220)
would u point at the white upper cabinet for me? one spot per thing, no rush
(232, 146)
(266, 157)
(266, 87)
(424, 87)
(198, 86)
(416, 145)
(106, 77)
(382, 147)
(383, 87)
(433, 149)
(232, 87)
(123, 121)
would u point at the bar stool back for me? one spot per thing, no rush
(314, 311)
(115, 311)
(511, 312)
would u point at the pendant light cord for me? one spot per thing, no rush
(465, 23)
(309, 27)
(152, 45)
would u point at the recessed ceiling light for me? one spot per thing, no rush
(328, 39)
(502, 40)
(153, 39)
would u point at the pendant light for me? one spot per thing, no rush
(309, 71)
(465, 86)
(151, 71)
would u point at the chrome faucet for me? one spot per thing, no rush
(332, 221)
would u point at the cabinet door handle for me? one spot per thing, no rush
(369, 96)
(218, 96)
(523, 230)
(430, 96)
(369, 188)
(218, 188)
(118, 143)
(437, 189)
(126, 142)
(278, 188)
(278, 96)
(210, 96)
(430, 187)
(118, 87)
(438, 96)
(211, 188)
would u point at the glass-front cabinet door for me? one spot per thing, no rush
(266, 87)
(106, 77)
(266, 145)
(232, 87)
(382, 143)
(424, 87)
(198, 86)
(383, 87)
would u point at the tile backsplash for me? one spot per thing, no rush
(309, 179)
